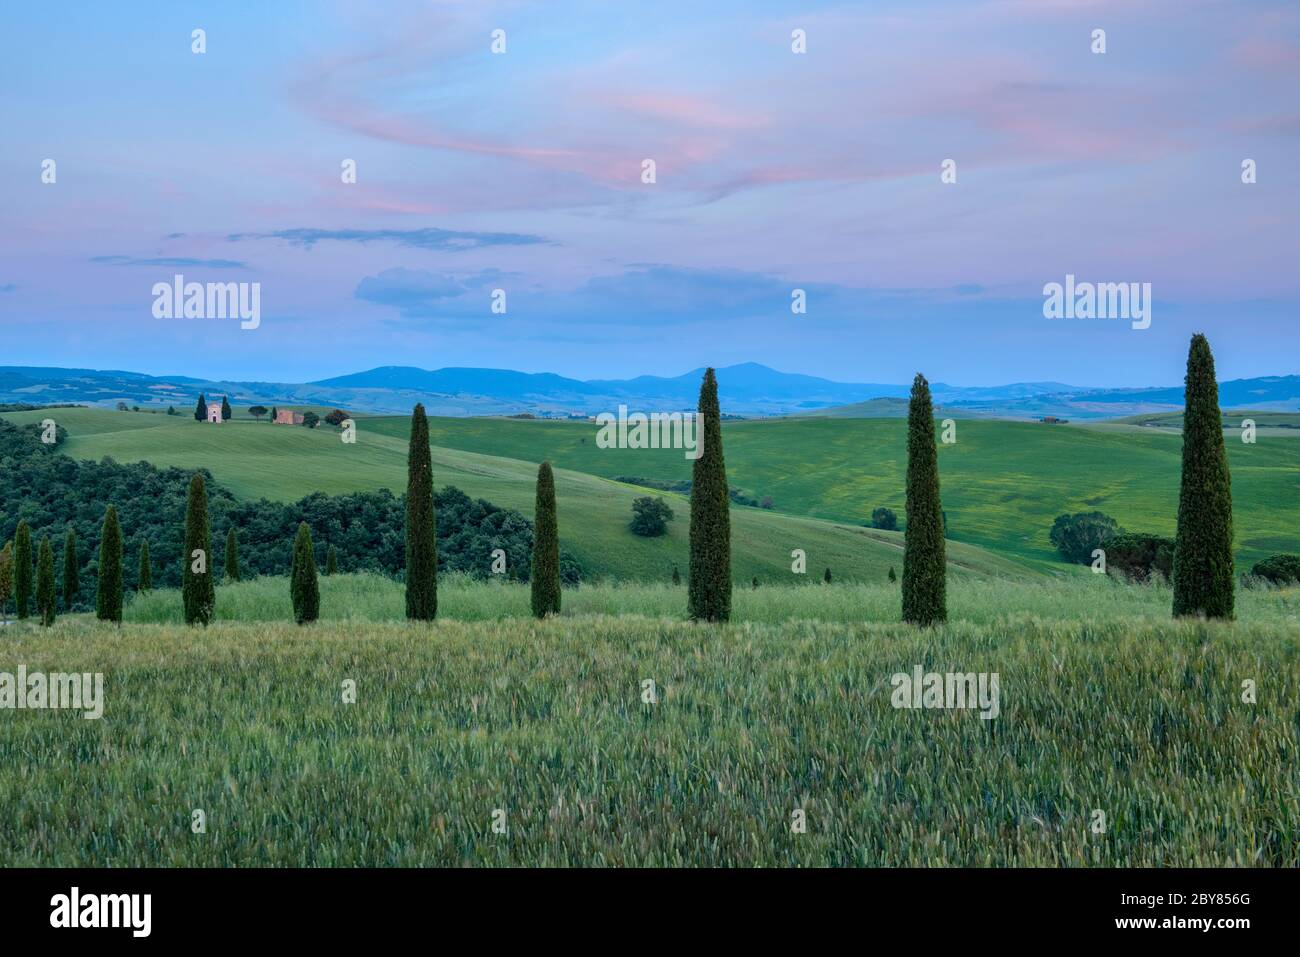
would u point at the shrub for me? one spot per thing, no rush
(1076, 536)
(650, 516)
(884, 518)
(1138, 556)
(1278, 569)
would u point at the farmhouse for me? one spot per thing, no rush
(287, 417)
(214, 412)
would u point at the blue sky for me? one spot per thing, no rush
(775, 171)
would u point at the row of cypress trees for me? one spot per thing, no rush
(1203, 561)
(1202, 575)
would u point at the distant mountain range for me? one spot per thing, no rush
(747, 389)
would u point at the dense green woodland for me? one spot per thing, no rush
(52, 492)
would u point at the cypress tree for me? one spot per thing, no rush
(332, 561)
(709, 583)
(924, 569)
(304, 589)
(892, 576)
(677, 576)
(755, 582)
(108, 601)
(421, 525)
(46, 594)
(225, 409)
(827, 577)
(71, 571)
(545, 574)
(6, 576)
(1203, 569)
(23, 569)
(197, 590)
(145, 582)
(201, 409)
(232, 556)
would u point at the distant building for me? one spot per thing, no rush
(214, 412)
(287, 417)
(1053, 420)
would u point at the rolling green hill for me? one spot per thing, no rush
(257, 459)
(1003, 483)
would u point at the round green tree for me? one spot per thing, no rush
(198, 593)
(304, 589)
(709, 584)
(924, 568)
(421, 525)
(1203, 568)
(545, 576)
(108, 598)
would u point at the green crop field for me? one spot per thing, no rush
(1105, 704)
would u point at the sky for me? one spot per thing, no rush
(774, 170)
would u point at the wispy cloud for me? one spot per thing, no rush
(446, 240)
(169, 261)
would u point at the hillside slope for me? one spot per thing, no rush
(256, 459)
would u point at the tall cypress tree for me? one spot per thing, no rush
(197, 590)
(201, 409)
(332, 561)
(225, 409)
(232, 556)
(545, 573)
(421, 525)
(71, 571)
(23, 569)
(709, 586)
(145, 581)
(6, 576)
(924, 568)
(1203, 546)
(47, 596)
(304, 589)
(108, 600)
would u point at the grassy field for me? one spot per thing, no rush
(369, 598)
(1105, 704)
(284, 463)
